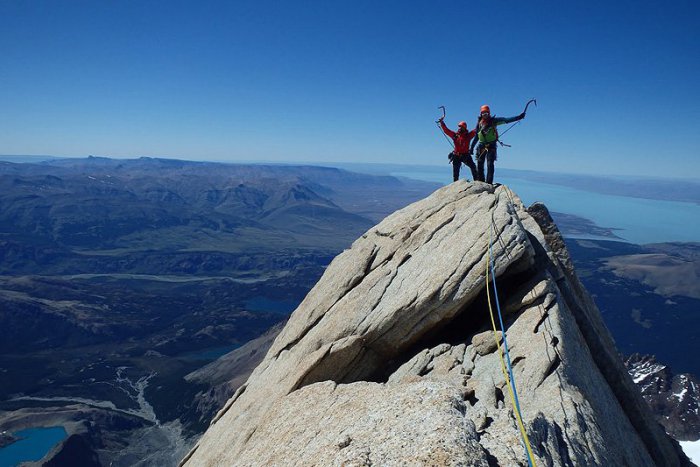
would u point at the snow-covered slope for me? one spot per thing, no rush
(674, 399)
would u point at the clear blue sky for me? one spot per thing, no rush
(616, 82)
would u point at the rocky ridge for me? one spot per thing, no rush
(674, 398)
(389, 359)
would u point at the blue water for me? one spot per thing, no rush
(258, 303)
(209, 354)
(639, 220)
(35, 444)
(261, 303)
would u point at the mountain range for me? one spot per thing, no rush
(122, 282)
(120, 277)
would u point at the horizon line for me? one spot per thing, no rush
(47, 157)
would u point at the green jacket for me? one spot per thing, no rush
(487, 133)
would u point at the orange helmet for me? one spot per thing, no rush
(462, 125)
(485, 108)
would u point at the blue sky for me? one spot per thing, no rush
(616, 82)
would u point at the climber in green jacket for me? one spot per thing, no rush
(487, 136)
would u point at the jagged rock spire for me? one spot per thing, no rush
(389, 360)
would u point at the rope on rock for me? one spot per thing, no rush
(507, 374)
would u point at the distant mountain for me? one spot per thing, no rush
(102, 215)
(647, 295)
(120, 277)
(674, 398)
(106, 204)
(22, 159)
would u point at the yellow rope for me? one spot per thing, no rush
(503, 364)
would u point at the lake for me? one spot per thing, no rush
(261, 303)
(639, 220)
(208, 354)
(35, 444)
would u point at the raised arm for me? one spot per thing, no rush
(447, 131)
(501, 120)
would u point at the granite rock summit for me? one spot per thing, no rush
(390, 359)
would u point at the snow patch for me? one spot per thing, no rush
(640, 372)
(692, 450)
(681, 394)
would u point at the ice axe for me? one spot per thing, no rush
(443, 113)
(437, 122)
(531, 101)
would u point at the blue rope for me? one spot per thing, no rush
(503, 332)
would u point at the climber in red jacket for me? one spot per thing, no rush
(460, 154)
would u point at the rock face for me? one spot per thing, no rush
(226, 374)
(390, 360)
(674, 398)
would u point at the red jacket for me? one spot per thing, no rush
(461, 139)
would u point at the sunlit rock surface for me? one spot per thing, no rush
(390, 359)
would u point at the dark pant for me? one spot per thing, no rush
(486, 153)
(457, 160)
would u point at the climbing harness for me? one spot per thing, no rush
(507, 374)
(485, 148)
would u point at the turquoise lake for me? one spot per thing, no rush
(638, 220)
(35, 444)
